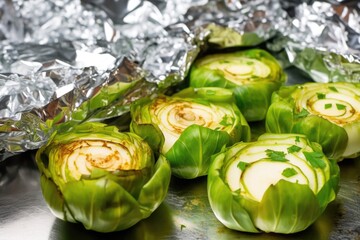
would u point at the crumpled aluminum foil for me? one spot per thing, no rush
(69, 60)
(323, 39)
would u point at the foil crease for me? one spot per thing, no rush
(323, 40)
(73, 61)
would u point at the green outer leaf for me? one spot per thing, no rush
(254, 99)
(190, 156)
(279, 117)
(245, 129)
(225, 205)
(200, 77)
(150, 133)
(55, 199)
(353, 132)
(101, 205)
(103, 98)
(331, 137)
(142, 124)
(287, 208)
(329, 191)
(155, 190)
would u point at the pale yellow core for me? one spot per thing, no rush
(85, 155)
(241, 70)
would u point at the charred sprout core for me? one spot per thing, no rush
(81, 157)
(338, 105)
(239, 70)
(175, 116)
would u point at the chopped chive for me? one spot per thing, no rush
(242, 165)
(321, 95)
(227, 121)
(316, 159)
(250, 63)
(340, 106)
(276, 155)
(327, 105)
(302, 113)
(297, 139)
(289, 172)
(293, 149)
(332, 88)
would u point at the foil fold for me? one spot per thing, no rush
(323, 40)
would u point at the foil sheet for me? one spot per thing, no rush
(323, 40)
(72, 61)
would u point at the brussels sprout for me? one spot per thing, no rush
(280, 183)
(253, 75)
(102, 178)
(189, 127)
(327, 113)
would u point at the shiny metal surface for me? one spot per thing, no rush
(185, 214)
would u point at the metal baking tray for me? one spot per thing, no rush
(185, 213)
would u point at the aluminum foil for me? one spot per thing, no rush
(323, 39)
(68, 61)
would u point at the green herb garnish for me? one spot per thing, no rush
(276, 155)
(227, 121)
(316, 159)
(289, 172)
(321, 95)
(293, 149)
(327, 105)
(340, 106)
(303, 113)
(332, 88)
(242, 165)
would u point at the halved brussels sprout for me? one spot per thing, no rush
(253, 75)
(280, 183)
(327, 113)
(102, 178)
(189, 127)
